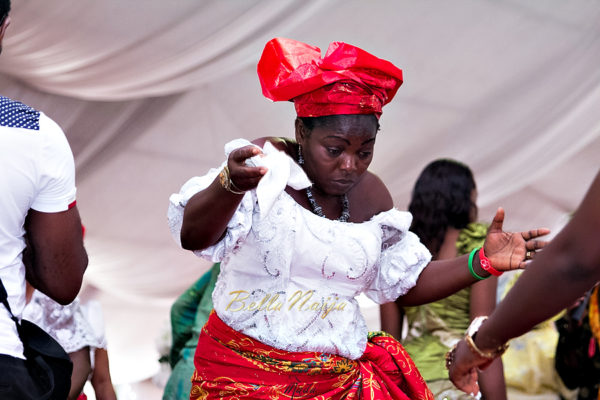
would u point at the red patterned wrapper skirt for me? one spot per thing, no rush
(231, 365)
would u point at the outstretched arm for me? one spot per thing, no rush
(440, 279)
(55, 258)
(505, 250)
(568, 267)
(483, 302)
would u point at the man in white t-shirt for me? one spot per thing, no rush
(40, 227)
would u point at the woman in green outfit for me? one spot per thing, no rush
(444, 209)
(188, 315)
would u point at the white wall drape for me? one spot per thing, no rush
(149, 91)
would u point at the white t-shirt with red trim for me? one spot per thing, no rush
(37, 171)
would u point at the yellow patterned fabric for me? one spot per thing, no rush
(529, 361)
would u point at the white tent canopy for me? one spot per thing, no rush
(148, 92)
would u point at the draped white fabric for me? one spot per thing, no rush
(148, 92)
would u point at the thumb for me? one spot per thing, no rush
(498, 220)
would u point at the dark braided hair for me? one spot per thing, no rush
(441, 199)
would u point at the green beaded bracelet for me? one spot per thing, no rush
(471, 270)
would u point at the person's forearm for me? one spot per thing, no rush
(491, 381)
(101, 381)
(541, 292)
(442, 278)
(482, 299)
(105, 391)
(483, 302)
(391, 316)
(206, 216)
(559, 275)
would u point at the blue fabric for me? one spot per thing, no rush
(18, 115)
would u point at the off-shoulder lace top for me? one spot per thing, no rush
(289, 278)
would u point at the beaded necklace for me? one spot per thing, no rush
(317, 209)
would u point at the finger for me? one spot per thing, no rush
(474, 377)
(533, 245)
(471, 386)
(241, 154)
(242, 171)
(247, 172)
(498, 220)
(464, 384)
(465, 380)
(248, 180)
(461, 381)
(527, 235)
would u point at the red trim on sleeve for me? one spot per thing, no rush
(73, 204)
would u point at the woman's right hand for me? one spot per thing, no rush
(243, 176)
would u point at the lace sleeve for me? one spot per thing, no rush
(403, 257)
(237, 228)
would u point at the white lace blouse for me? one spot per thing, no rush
(74, 325)
(289, 278)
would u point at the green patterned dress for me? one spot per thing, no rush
(435, 327)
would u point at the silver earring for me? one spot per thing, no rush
(300, 158)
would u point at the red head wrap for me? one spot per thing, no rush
(347, 80)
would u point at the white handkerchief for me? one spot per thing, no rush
(282, 171)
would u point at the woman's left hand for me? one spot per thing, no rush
(510, 250)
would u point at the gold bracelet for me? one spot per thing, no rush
(450, 356)
(227, 183)
(473, 328)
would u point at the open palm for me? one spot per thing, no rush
(511, 250)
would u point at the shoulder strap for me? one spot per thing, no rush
(4, 300)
